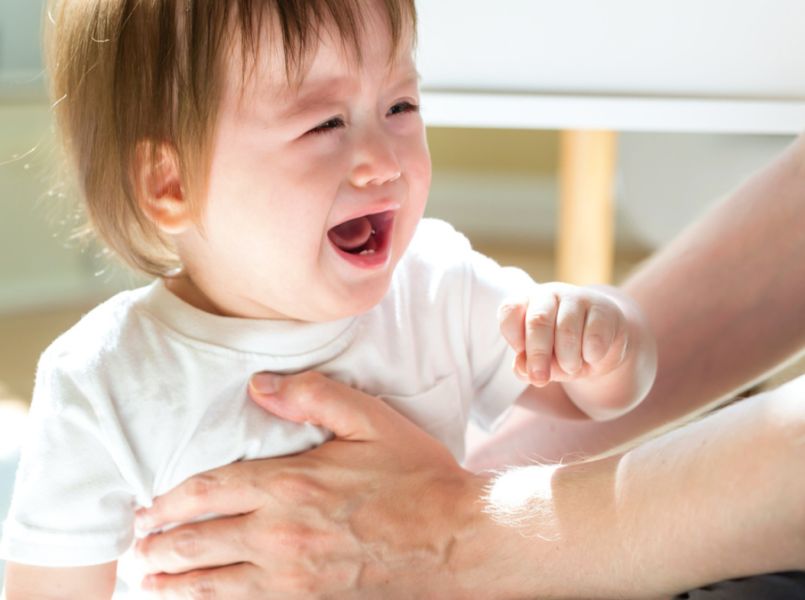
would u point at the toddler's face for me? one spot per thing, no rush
(313, 194)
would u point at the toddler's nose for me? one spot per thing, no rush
(375, 164)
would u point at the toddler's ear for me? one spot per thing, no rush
(158, 183)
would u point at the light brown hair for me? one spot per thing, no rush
(124, 72)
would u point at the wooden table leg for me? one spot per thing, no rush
(586, 242)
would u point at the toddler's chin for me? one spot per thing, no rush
(361, 303)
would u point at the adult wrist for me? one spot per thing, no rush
(478, 563)
(500, 536)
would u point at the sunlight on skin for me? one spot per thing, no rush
(522, 497)
(788, 414)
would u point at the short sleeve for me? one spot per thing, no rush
(71, 506)
(491, 358)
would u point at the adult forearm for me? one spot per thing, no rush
(725, 301)
(719, 498)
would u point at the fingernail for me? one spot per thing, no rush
(265, 383)
(536, 372)
(574, 370)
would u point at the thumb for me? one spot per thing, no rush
(311, 397)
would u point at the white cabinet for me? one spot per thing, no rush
(667, 65)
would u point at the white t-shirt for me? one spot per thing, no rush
(146, 391)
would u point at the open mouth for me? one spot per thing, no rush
(364, 236)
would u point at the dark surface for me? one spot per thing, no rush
(775, 586)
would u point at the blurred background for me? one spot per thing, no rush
(499, 186)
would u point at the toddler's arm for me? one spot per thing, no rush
(26, 582)
(593, 341)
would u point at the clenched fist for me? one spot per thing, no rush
(570, 334)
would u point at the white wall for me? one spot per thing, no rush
(716, 48)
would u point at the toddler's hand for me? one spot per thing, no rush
(563, 332)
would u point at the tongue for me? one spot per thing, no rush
(352, 234)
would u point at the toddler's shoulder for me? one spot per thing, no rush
(437, 241)
(441, 261)
(433, 269)
(443, 253)
(437, 249)
(101, 332)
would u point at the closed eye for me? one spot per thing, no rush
(328, 126)
(338, 123)
(403, 107)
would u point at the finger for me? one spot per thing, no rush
(231, 582)
(220, 542)
(227, 490)
(313, 398)
(194, 546)
(520, 367)
(570, 318)
(600, 327)
(511, 316)
(540, 323)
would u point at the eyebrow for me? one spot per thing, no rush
(325, 92)
(320, 93)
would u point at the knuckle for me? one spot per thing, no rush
(366, 422)
(595, 341)
(309, 387)
(572, 304)
(603, 318)
(509, 308)
(294, 487)
(200, 487)
(143, 550)
(568, 336)
(202, 587)
(551, 288)
(299, 581)
(293, 537)
(186, 544)
(601, 310)
(539, 320)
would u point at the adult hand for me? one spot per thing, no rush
(381, 504)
